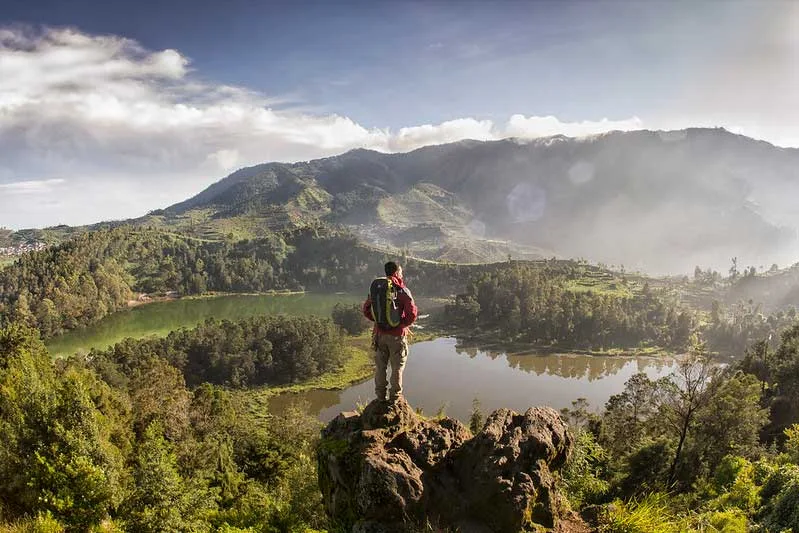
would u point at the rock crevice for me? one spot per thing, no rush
(387, 469)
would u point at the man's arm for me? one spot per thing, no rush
(366, 309)
(409, 310)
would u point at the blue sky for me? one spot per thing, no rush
(393, 64)
(119, 95)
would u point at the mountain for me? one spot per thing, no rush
(657, 201)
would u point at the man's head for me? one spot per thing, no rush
(393, 269)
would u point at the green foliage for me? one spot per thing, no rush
(476, 418)
(42, 523)
(263, 350)
(734, 487)
(646, 469)
(780, 495)
(779, 369)
(146, 454)
(731, 521)
(735, 329)
(56, 451)
(630, 415)
(792, 443)
(583, 474)
(97, 273)
(537, 304)
(350, 318)
(650, 514)
(730, 421)
(162, 500)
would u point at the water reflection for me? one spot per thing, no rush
(445, 373)
(567, 365)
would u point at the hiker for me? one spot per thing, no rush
(391, 307)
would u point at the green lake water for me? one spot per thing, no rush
(159, 318)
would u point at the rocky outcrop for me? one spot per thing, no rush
(389, 470)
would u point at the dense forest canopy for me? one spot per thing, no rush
(144, 454)
(708, 448)
(264, 350)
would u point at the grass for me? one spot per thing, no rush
(6, 260)
(604, 285)
(357, 367)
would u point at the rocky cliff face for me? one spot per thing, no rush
(389, 470)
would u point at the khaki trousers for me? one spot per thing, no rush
(389, 349)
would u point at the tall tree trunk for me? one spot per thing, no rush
(684, 432)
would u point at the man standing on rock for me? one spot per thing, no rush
(391, 307)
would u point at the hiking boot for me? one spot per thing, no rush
(395, 398)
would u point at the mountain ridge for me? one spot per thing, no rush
(661, 202)
(697, 196)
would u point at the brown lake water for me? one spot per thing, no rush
(441, 373)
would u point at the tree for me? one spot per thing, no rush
(162, 499)
(56, 451)
(730, 421)
(734, 269)
(688, 390)
(629, 414)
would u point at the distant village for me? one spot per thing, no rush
(19, 249)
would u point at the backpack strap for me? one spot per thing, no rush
(389, 288)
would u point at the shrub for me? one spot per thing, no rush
(732, 521)
(780, 511)
(647, 467)
(734, 482)
(350, 318)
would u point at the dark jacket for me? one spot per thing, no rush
(409, 311)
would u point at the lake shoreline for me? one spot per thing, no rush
(492, 341)
(138, 302)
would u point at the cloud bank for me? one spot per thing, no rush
(97, 127)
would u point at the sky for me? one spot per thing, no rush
(109, 109)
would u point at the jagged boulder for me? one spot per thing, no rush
(389, 469)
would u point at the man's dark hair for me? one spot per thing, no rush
(391, 268)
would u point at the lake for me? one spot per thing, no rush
(441, 373)
(159, 318)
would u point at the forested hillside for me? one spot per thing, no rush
(96, 273)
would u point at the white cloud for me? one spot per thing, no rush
(137, 128)
(450, 131)
(532, 127)
(30, 187)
